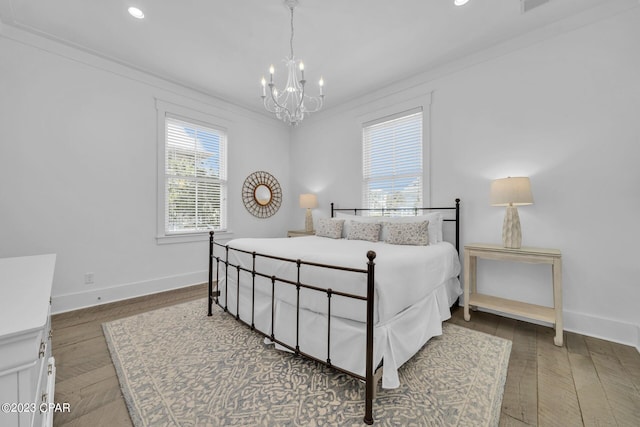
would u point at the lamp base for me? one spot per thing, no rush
(511, 231)
(308, 221)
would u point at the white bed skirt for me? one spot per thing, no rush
(395, 340)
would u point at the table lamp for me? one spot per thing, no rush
(308, 201)
(511, 192)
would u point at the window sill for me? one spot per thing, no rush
(192, 237)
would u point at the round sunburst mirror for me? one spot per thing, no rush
(261, 194)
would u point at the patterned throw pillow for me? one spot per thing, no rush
(364, 231)
(358, 218)
(434, 228)
(331, 228)
(412, 233)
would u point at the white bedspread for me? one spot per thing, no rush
(403, 274)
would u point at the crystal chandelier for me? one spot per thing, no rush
(291, 104)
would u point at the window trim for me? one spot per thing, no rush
(168, 109)
(398, 110)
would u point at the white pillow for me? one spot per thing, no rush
(330, 227)
(435, 224)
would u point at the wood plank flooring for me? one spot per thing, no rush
(588, 382)
(86, 377)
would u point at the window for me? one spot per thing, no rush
(192, 173)
(195, 177)
(392, 161)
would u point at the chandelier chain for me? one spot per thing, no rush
(291, 40)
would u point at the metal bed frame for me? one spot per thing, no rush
(370, 378)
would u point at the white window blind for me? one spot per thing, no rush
(195, 177)
(392, 161)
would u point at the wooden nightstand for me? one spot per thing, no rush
(526, 254)
(300, 233)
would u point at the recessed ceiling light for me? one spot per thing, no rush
(137, 13)
(460, 2)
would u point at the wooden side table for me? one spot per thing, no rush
(525, 254)
(300, 233)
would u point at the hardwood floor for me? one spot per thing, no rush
(85, 377)
(587, 382)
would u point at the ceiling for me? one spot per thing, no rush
(223, 48)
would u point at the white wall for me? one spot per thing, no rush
(78, 171)
(562, 110)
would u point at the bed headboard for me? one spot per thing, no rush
(448, 211)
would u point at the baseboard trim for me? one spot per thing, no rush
(592, 326)
(93, 297)
(603, 328)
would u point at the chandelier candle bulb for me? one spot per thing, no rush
(264, 87)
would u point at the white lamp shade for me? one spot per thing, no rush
(308, 201)
(510, 191)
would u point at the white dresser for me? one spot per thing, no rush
(27, 369)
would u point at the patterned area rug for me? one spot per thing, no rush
(178, 367)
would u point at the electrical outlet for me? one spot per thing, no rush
(88, 278)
